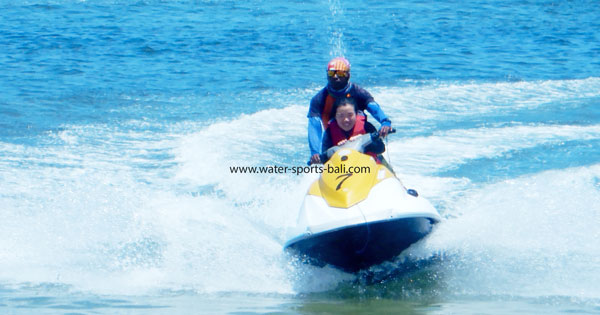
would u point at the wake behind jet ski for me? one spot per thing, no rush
(358, 213)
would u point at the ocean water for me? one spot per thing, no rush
(119, 121)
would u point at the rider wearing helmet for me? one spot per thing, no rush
(339, 87)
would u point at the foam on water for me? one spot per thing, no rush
(443, 101)
(131, 210)
(531, 236)
(412, 156)
(454, 147)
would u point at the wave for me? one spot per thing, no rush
(455, 147)
(136, 209)
(531, 236)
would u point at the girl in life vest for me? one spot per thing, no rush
(347, 125)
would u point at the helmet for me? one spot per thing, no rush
(338, 63)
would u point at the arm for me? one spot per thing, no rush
(377, 112)
(374, 109)
(315, 132)
(365, 101)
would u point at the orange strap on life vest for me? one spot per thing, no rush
(326, 113)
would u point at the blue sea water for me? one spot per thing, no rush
(119, 121)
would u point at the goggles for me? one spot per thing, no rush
(340, 73)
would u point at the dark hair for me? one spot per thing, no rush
(344, 101)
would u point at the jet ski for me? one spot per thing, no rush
(358, 213)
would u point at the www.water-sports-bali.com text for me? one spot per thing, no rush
(276, 169)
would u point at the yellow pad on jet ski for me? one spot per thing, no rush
(347, 178)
